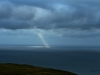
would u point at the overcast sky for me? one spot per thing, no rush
(54, 22)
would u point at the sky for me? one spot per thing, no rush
(50, 22)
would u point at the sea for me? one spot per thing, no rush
(80, 60)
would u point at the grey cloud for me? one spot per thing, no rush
(14, 24)
(5, 10)
(82, 35)
(78, 17)
(24, 13)
(37, 3)
(9, 10)
(43, 14)
(77, 33)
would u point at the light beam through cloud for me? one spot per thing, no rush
(43, 40)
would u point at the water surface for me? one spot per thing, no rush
(83, 61)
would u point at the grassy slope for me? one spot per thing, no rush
(16, 69)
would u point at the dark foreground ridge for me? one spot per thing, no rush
(19, 69)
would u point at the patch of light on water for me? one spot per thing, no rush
(28, 48)
(36, 46)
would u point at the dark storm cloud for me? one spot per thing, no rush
(5, 10)
(50, 14)
(14, 24)
(23, 13)
(37, 3)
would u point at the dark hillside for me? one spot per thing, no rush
(16, 69)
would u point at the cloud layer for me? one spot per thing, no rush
(50, 15)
